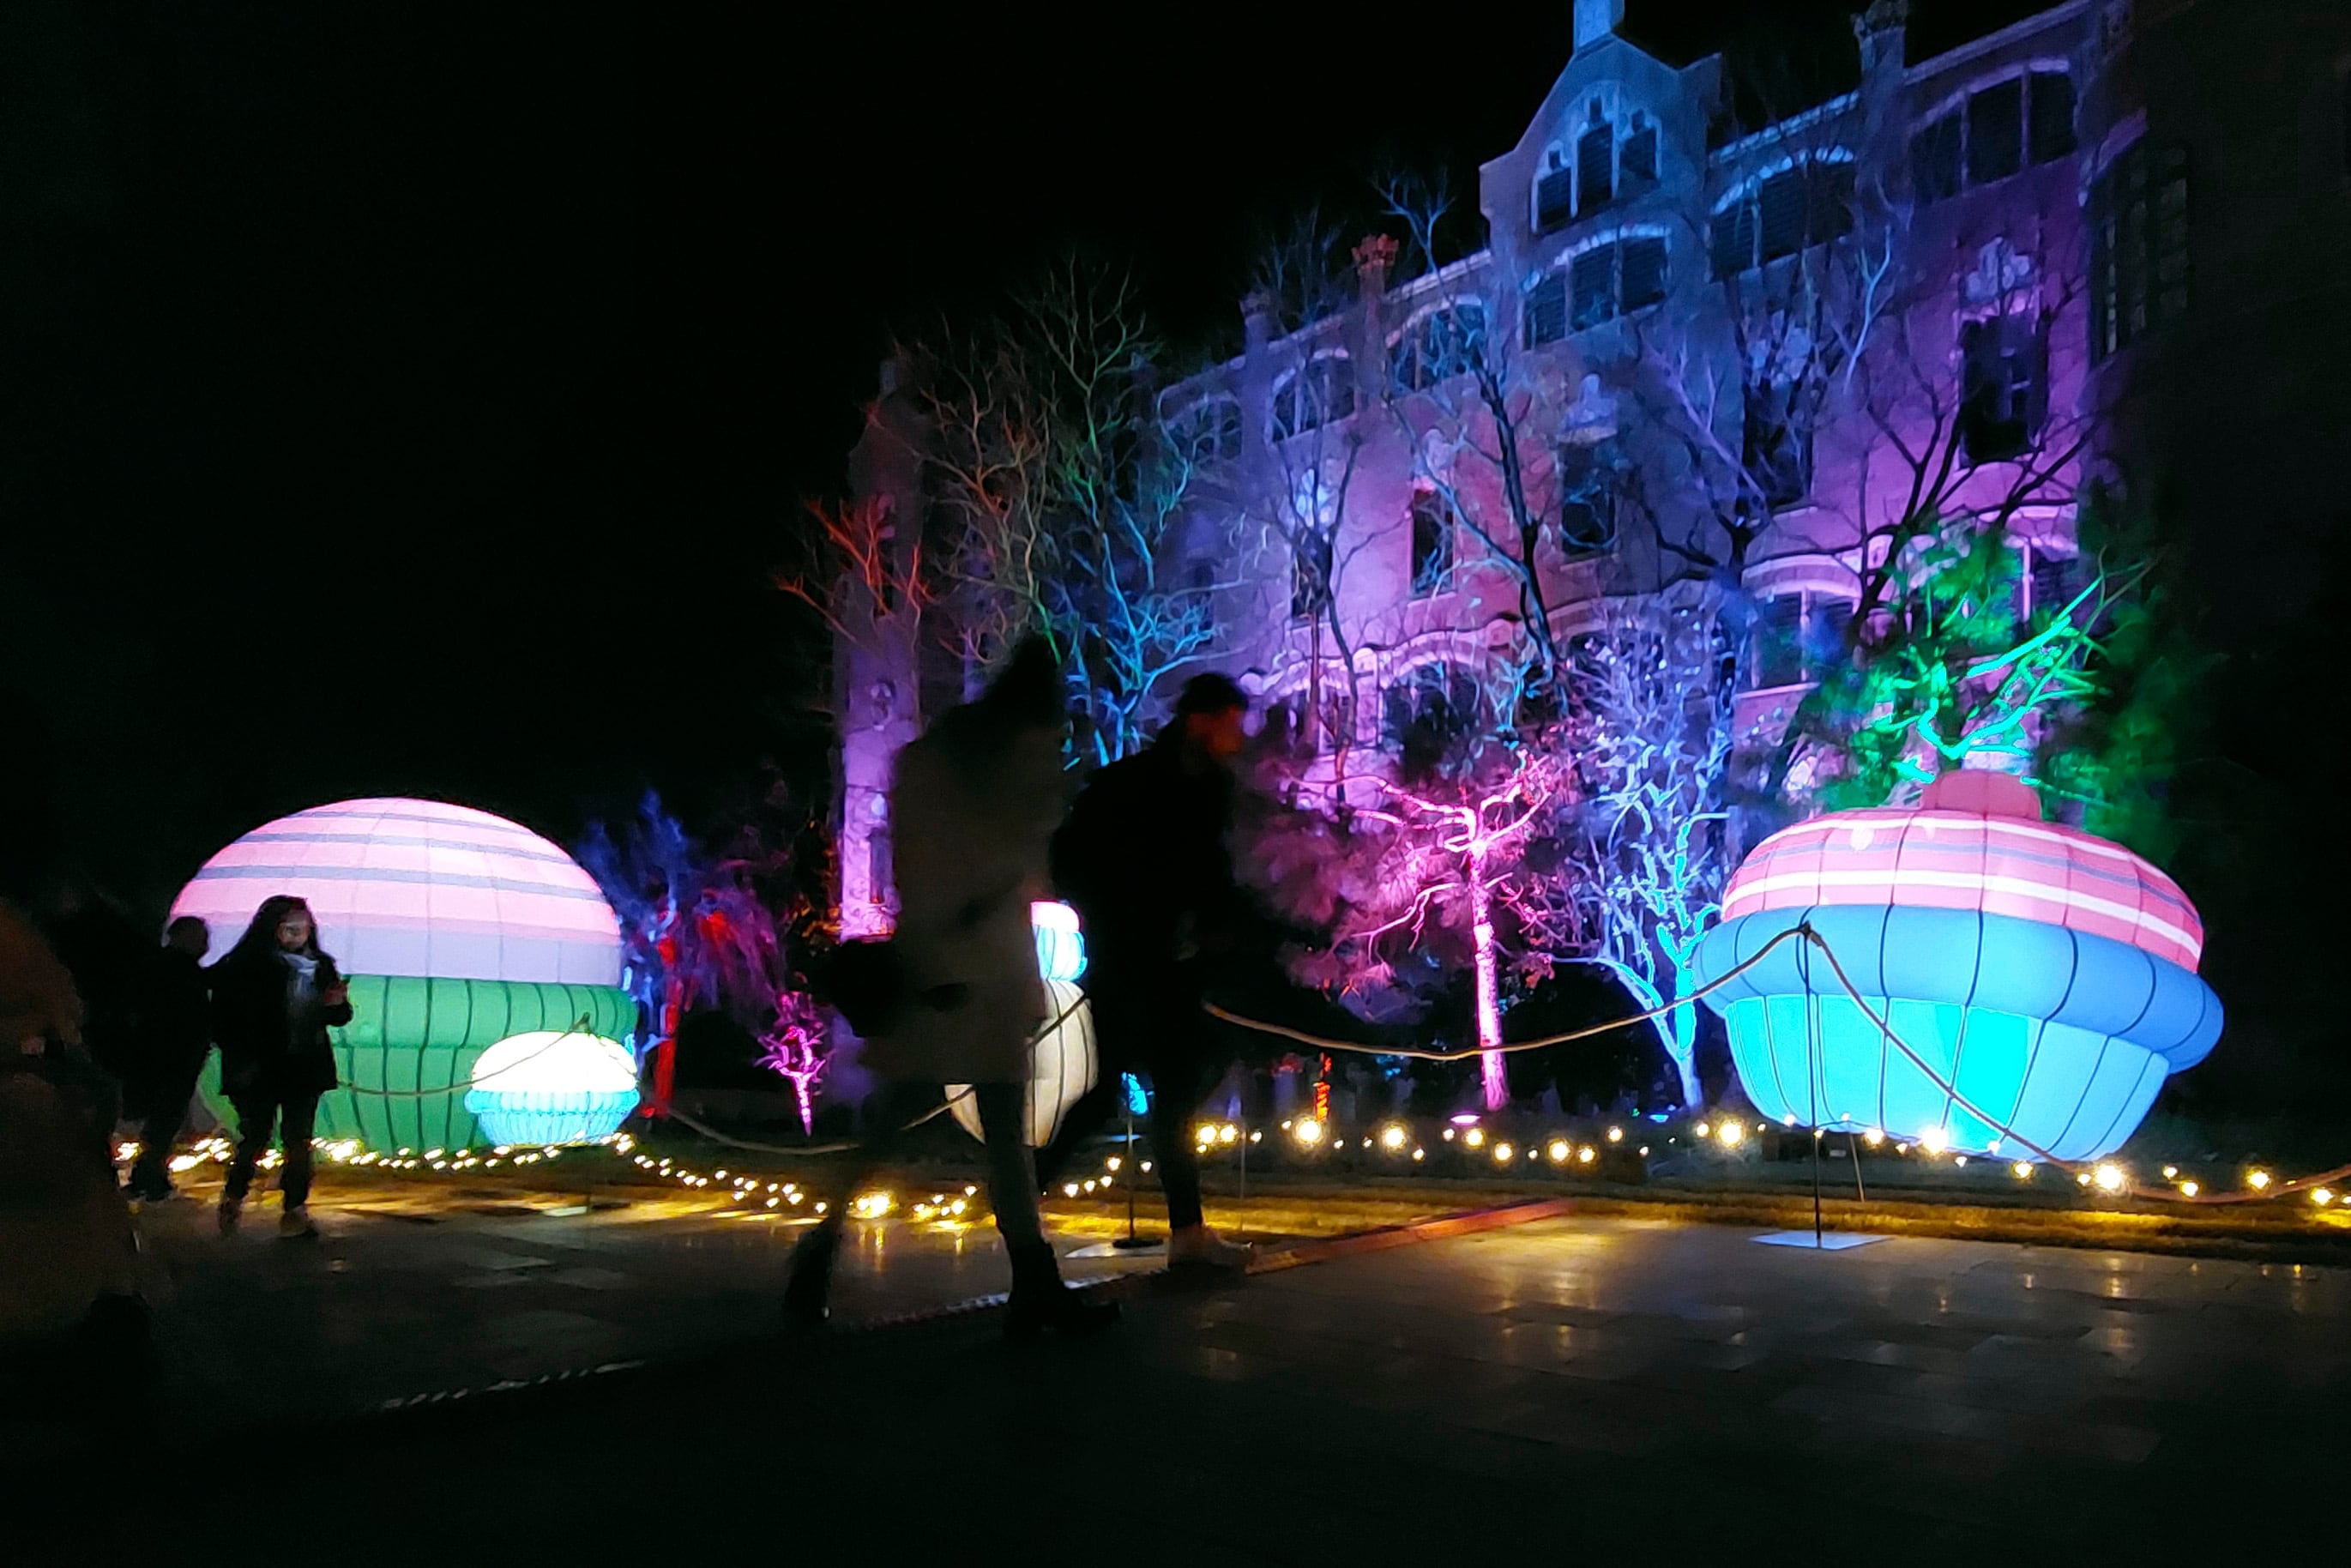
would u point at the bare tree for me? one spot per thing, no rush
(1653, 741)
(1069, 500)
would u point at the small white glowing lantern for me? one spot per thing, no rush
(1060, 946)
(549, 1086)
(1060, 1068)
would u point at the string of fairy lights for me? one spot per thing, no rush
(1394, 1143)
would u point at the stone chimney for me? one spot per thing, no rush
(1374, 257)
(1596, 20)
(1880, 31)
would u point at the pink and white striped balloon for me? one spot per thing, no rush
(421, 888)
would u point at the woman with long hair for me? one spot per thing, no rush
(275, 996)
(973, 804)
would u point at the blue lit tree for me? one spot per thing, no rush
(1653, 742)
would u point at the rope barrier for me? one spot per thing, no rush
(580, 1026)
(845, 1146)
(1805, 933)
(1318, 1044)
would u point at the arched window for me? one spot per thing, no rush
(1207, 432)
(1805, 203)
(1597, 282)
(1322, 391)
(1994, 129)
(1436, 346)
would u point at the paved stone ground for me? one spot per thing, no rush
(1564, 1386)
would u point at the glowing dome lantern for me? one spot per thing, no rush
(2046, 975)
(1061, 948)
(457, 930)
(1061, 1067)
(552, 1086)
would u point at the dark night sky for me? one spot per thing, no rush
(403, 398)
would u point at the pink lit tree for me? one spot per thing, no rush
(793, 1046)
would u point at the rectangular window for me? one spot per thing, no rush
(2049, 111)
(1776, 445)
(1734, 238)
(1645, 274)
(2051, 582)
(1555, 199)
(1935, 160)
(1592, 286)
(2138, 247)
(1996, 132)
(1587, 505)
(1828, 201)
(1546, 310)
(1776, 647)
(1796, 640)
(1636, 165)
(1782, 202)
(2004, 386)
(1432, 544)
(1306, 579)
(1596, 161)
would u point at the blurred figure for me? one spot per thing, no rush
(275, 996)
(71, 1257)
(972, 806)
(172, 1035)
(1146, 859)
(103, 949)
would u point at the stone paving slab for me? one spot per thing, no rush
(1564, 1386)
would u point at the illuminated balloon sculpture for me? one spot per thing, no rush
(459, 931)
(552, 1086)
(1061, 1066)
(2047, 975)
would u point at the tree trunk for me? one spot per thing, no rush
(1493, 1073)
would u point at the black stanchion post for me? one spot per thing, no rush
(1130, 1242)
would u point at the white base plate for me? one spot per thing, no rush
(1828, 1240)
(1111, 1249)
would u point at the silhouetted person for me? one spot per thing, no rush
(172, 1037)
(275, 995)
(1146, 859)
(66, 1248)
(973, 804)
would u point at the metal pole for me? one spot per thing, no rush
(1130, 1242)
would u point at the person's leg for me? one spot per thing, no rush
(1177, 1082)
(295, 1125)
(166, 1111)
(808, 1291)
(1039, 1300)
(1012, 1175)
(256, 1115)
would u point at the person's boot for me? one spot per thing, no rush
(808, 1292)
(1198, 1247)
(1041, 1301)
(294, 1224)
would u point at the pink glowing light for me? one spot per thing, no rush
(421, 888)
(1971, 845)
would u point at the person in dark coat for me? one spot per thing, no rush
(275, 996)
(972, 805)
(1146, 861)
(173, 1035)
